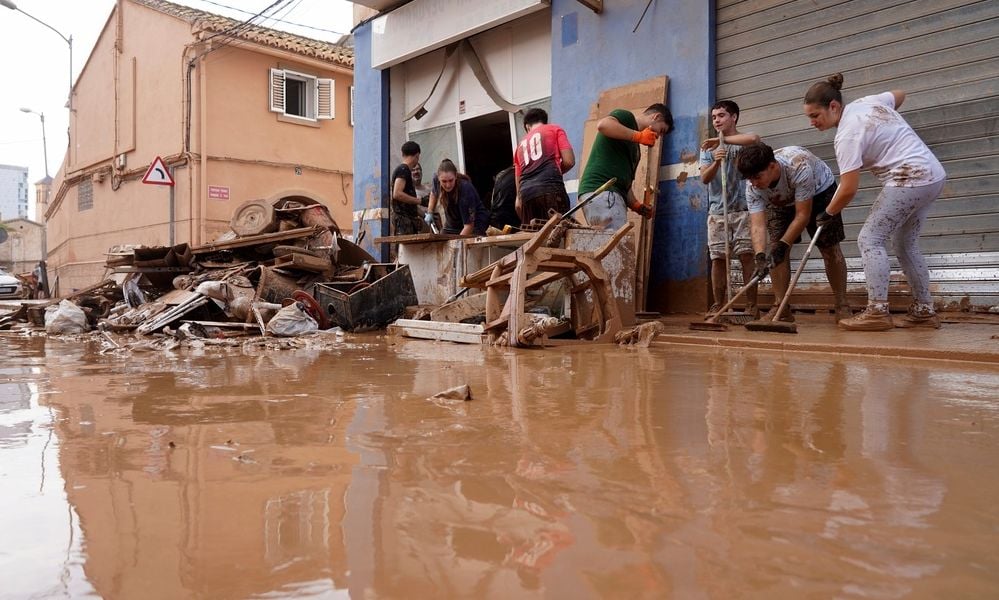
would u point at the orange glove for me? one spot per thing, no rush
(646, 137)
(643, 209)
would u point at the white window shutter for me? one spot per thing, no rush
(277, 90)
(324, 98)
(351, 106)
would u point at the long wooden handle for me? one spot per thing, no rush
(797, 273)
(755, 280)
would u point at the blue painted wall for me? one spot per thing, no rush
(371, 145)
(593, 52)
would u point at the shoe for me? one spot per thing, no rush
(753, 310)
(714, 308)
(873, 318)
(787, 317)
(843, 311)
(919, 316)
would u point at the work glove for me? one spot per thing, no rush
(646, 137)
(429, 218)
(824, 219)
(643, 209)
(762, 266)
(778, 253)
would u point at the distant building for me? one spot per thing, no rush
(22, 248)
(237, 112)
(13, 192)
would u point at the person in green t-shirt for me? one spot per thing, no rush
(615, 153)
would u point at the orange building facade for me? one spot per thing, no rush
(235, 113)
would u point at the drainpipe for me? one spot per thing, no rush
(203, 179)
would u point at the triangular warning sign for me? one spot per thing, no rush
(158, 174)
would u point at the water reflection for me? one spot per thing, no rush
(639, 473)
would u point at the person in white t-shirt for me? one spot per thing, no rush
(872, 135)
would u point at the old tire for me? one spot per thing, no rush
(254, 217)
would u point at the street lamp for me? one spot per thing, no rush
(45, 148)
(68, 40)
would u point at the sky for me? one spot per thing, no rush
(36, 64)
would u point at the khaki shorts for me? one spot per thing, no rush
(738, 231)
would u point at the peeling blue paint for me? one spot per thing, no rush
(371, 142)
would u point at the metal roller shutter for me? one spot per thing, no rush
(943, 54)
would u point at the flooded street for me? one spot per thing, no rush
(599, 472)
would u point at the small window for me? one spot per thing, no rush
(85, 195)
(300, 95)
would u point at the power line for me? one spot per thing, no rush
(246, 12)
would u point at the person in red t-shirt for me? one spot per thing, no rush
(539, 162)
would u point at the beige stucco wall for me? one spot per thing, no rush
(311, 158)
(23, 248)
(243, 146)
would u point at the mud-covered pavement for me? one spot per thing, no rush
(572, 473)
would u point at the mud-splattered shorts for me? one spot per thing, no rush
(607, 210)
(738, 234)
(779, 219)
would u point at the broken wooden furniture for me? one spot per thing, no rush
(533, 266)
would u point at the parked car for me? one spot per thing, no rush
(10, 286)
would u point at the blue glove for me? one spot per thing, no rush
(429, 218)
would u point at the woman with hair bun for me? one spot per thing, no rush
(872, 135)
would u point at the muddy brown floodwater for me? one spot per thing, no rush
(599, 472)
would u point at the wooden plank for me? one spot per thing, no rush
(258, 240)
(418, 238)
(446, 332)
(460, 309)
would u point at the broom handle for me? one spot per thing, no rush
(724, 193)
(738, 295)
(797, 274)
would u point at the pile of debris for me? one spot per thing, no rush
(284, 270)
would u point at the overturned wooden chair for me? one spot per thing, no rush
(535, 265)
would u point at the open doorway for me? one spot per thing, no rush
(487, 149)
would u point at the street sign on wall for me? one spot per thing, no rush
(218, 192)
(157, 173)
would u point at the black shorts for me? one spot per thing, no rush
(779, 219)
(537, 206)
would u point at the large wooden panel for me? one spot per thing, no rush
(941, 53)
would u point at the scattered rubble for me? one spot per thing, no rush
(260, 279)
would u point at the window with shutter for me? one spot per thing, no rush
(302, 96)
(325, 99)
(277, 90)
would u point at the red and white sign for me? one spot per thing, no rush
(218, 192)
(157, 173)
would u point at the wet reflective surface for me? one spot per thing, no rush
(582, 473)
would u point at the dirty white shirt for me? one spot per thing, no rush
(802, 176)
(871, 135)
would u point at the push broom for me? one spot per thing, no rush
(711, 323)
(782, 326)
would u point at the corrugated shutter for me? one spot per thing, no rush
(277, 91)
(943, 54)
(324, 98)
